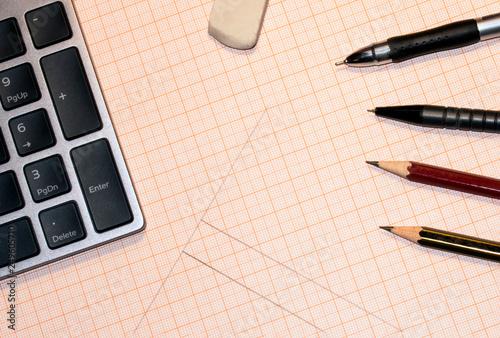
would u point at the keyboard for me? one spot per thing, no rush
(64, 185)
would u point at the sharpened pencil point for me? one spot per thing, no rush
(372, 110)
(340, 63)
(374, 163)
(387, 228)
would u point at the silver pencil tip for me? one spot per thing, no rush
(371, 110)
(340, 63)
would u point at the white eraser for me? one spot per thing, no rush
(237, 23)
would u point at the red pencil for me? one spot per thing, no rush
(442, 177)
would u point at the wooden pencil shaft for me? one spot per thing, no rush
(449, 241)
(399, 168)
(460, 244)
(453, 179)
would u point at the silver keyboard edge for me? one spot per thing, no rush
(17, 9)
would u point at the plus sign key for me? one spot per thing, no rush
(18, 87)
(71, 93)
(32, 132)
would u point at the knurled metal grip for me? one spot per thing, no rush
(461, 118)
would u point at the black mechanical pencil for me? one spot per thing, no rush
(450, 36)
(443, 117)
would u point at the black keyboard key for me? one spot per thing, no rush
(32, 132)
(48, 25)
(62, 225)
(71, 94)
(11, 42)
(18, 86)
(11, 198)
(17, 243)
(101, 185)
(4, 155)
(47, 178)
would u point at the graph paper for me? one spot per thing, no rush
(262, 216)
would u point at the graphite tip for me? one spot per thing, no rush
(374, 163)
(371, 110)
(387, 228)
(340, 63)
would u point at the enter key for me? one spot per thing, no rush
(101, 185)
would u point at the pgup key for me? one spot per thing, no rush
(17, 97)
(18, 87)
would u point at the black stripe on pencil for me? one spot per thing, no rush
(442, 177)
(449, 241)
(443, 117)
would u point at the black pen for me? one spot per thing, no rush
(402, 48)
(443, 117)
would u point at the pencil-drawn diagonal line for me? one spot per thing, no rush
(255, 292)
(247, 142)
(303, 276)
